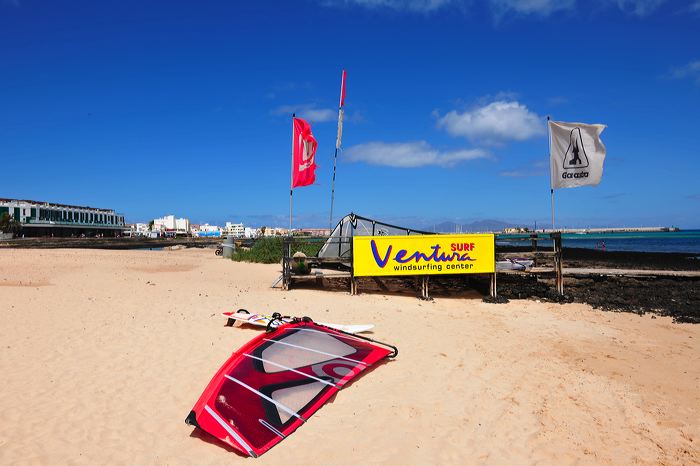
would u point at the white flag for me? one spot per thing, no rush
(577, 154)
(339, 139)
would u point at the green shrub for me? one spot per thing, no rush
(269, 250)
(8, 224)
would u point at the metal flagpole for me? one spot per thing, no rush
(291, 179)
(551, 181)
(337, 146)
(552, 192)
(330, 219)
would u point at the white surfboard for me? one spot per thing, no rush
(262, 320)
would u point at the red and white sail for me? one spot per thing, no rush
(274, 383)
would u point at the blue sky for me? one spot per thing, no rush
(183, 107)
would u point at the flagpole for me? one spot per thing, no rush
(291, 179)
(337, 146)
(551, 182)
(335, 158)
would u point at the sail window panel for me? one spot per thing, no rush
(296, 398)
(301, 349)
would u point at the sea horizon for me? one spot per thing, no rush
(682, 241)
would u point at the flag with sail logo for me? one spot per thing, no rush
(576, 154)
(303, 154)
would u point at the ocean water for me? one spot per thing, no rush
(687, 241)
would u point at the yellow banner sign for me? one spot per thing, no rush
(374, 256)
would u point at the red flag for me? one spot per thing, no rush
(304, 152)
(342, 89)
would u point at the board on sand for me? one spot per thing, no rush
(263, 320)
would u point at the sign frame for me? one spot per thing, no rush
(421, 255)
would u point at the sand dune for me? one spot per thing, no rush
(103, 353)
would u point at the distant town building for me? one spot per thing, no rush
(515, 230)
(137, 229)
(129, 229)
(237, 230)
(50, 219)
(251, 232)
(171, 225)
(313, 232)
(273, 231)
(207, 230)
(141, 228)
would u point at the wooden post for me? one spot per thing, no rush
(561, 267)
(286, 266)
(493, 290)
(558, 263)
(425, 291)
(353, 280)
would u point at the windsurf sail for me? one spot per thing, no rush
(275, 382)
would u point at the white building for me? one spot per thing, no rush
(48, 219)
(208, 230)
(140, 229)
(237, 230)
(170, 224)
(251, 232)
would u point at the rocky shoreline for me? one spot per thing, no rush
(678, 297)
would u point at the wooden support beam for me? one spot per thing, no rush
(425, 290)
(558, 264)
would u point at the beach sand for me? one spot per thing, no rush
(103, 354)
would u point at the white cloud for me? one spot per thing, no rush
(535, 168)
(639, 7)
(309, 112)
(409, 154)
(557, 100)
(494, 123)
(691, 71)
(419, 6)
(501, 8)
(530, 7)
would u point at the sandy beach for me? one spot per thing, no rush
(103, 354)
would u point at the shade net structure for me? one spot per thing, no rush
(275, 382)
(339, 244)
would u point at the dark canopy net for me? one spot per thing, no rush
(339, 245)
